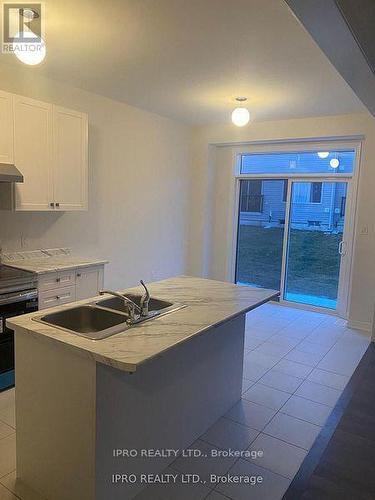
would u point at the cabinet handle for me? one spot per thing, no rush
(57, 205)
(78, 275)
(57, 297)
(58, 280)
(51, 204)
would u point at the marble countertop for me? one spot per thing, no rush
(208, 302)
(53, 264)
(48, 260)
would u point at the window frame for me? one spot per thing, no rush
(260, 212)
(312, 192)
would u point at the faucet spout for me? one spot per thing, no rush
(132, 306)
(145, 300)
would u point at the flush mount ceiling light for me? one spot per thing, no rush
(30, 53)
(334, 163)
(31, 48)
(240, 115)
(323, 154)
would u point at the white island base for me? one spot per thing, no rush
(72, 411)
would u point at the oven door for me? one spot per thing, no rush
(12, 304)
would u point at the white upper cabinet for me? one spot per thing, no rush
(33, 153)
(6, 127)
(70, 159)
(48, 144)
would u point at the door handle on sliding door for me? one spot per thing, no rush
(342, 248)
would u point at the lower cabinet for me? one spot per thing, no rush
(62, 287)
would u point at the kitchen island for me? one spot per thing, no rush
(86, 409)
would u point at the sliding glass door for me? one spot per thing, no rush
(291, 238)
(315, 243)
(295, 224)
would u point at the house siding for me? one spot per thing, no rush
(326, 214)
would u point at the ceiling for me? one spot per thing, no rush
(360, 16)
(189, 59)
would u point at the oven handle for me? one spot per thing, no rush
(11, 298)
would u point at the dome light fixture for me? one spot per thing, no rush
(323, 154)
(334, 163)
(240, 115)
(32, 49)
(31, 53)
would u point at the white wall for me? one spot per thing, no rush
(138, 192)
(213, 181)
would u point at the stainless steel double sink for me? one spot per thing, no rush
(105, 317)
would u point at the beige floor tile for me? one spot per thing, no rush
(271, 349)
(6, 494)
(278, 456)
(204, 465)
(261, 359)
(329, 379)
(5, 430)
(292, 368)
(306, 358)
(318, 393)
(272, 487)
(281, 381)
(8, 415)
(266, 396)
(305, 409)
(22, 491)
(7, 454)
(293, 430)
(215, 495)
(226, 434)
(251, 414)
(7, 398)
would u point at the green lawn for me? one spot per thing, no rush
(313, 264)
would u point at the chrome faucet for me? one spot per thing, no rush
(135, 311)
(132, 306)
(145, 300)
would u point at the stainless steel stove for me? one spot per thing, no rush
(18, 295)
(11, 278)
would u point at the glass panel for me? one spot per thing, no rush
(315, 232)
(261, 232)
(319, 162)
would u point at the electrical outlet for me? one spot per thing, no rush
(364, 230)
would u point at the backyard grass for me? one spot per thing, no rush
(313, 264)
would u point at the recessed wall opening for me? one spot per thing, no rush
(295, 224)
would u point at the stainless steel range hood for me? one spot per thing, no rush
(10, 173)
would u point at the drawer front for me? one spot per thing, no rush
(48, 281)
(59, 279)
(67, 278)
(57, 297)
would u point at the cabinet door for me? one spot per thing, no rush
(33, 153)
(6, 127)
(70, 159)
(89, 281)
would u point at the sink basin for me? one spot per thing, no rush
(106, 317)
(118, 305)
(87, 321)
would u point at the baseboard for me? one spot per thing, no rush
(359, 325)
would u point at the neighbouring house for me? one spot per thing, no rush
(318, 206)
(315, 205)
